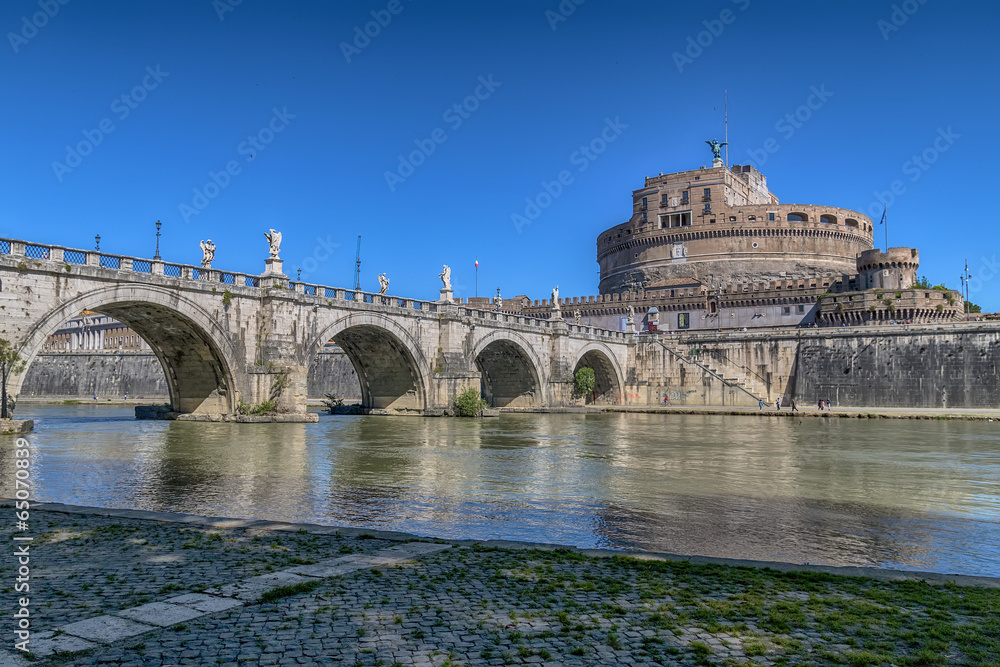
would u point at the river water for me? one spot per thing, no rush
(885, 493)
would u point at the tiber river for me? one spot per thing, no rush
(886, 493)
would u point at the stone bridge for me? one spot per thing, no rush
(228, 341)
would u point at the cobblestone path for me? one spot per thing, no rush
(131, 591)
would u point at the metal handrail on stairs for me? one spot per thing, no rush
(708, 370)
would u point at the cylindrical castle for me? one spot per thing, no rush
(722, 227)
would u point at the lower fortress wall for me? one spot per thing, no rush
(953, 366)
(950, 366)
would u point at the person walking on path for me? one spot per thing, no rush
(760, 404)
(794, 407)
(777, 404)
(821, 405)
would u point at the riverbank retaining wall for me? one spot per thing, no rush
(139, 374)
(952, 366)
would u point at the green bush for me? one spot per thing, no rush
(585, 381)
(469, 403)
(265, 408)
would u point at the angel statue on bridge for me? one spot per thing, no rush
(207, 254)
(445, 277)
(274, 239)
(555, 299)
(383, 283)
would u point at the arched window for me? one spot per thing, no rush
(830, 219)
(797, 217)
(851, 222)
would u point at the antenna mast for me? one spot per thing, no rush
(357, 267)
(727, 127)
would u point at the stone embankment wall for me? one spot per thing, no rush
(139, 374)
(106, 374)
(948, 366)
(933, 370)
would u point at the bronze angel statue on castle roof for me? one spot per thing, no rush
(717, 148)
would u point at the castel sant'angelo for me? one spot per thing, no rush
(714, 248)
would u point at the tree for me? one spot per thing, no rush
(10, 363)
(922, 283)
(585, 380)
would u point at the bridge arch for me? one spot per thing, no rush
(391, 367)
(610, 381)
(511, 371)
(204, 369)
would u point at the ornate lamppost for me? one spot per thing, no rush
(97, 241)
(158, 225)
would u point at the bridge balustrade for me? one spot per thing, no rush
(189, 272)
(36, 252)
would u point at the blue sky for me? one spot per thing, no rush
(164, 97)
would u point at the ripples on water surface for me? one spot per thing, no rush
(887, 493)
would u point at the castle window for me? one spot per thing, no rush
(644, 218)
(645, 202)
(684, 197)
(708, 195)
(663, 200)
(802, 309)
(797, 217)
(830, 219)
(787, 310)
(851, 222)
(708, 208)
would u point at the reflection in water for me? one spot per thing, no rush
(888, 493)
